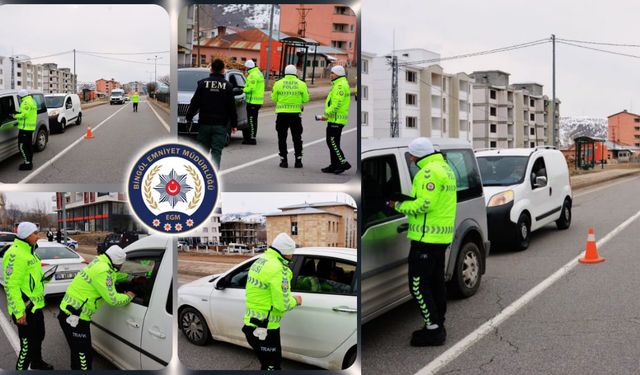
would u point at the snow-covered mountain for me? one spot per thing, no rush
(239, 15)
(572, 127)
(245, 217)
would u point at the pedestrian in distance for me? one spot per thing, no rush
(254, 90)
(135, 98)
(431, 214)
(216, 103)
(59, 236)
(92, 286)
(27, 119)
(336, 114)
(24, 287)
(50, 235)
(289, 94)
(268, 298)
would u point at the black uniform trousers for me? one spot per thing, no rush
(269, 351)
(284, 122)
(334, 133)
(25, 145)
(79, 340)
(426, 280)
(135, 107)
(252, 118)
(31, 336)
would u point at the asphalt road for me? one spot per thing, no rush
(587, 322)
(244, 164)
(120, 135)
(55, 349)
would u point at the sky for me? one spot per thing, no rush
(270, 202)
(94, 28)
(27, 200)
(589, 83)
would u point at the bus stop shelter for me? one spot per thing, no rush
(296, 51)
(589, 152)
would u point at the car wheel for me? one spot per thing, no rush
(523, 232)
(79, 119)
(63, 126)
(467, 274)
(193, 326)
(350, 358)
(41, 140)
(564, 222)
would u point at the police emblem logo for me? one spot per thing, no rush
(173, 188)
(109, 282)
(9, 270)
(431, 186)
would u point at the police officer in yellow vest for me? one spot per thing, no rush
(289, 94)
(336, 113)
(431, 215)
(135, 99)
(268, 298)
(254, 90)
(27, 119)
(24, 287)
(91, 287)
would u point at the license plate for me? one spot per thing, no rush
(65, 275)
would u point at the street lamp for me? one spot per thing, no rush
(155, 68)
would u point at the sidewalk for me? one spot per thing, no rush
(596, 177)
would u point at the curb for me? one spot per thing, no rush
(93, 104)
(596, 181)
(160, 107)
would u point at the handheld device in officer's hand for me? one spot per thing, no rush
(261, 326)
(48, 275)
(319, 118)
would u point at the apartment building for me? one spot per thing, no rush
(58, 80)
(510, 115)
(243, 229)
(209, 233)
(624, 128)
(366, 100)
(96, 212)
(185, 36)
(104, 86)
(431, 102)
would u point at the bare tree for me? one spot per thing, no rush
(165, 80)
(151, 87)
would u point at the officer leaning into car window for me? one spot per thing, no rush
(268, 298)
(215, 102)
(289, 94)
(135, 99)
(24, 287)
(27, 118)
(89, 288)
(431, 216)
(254, 89)
(336, 113)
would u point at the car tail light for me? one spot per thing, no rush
(44, 264)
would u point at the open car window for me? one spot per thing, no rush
(7, 108)
(238, 279)
(324, 276)
(138, 274)
(381, 177)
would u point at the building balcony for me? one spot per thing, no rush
(436, 112)
(436, 90)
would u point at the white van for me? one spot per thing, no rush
(117, 96)
(525, 189)
(63, 110)
(237, 248)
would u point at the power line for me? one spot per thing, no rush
(43, 57)
(124, 53)
(598, 43)
(601, 50)
(119, 59)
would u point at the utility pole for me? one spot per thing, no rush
(268, 69)
(197, 35)
(395, 132)
(13, 73)
(155, 67)
(64, 217)
(554, 126)
(75, 77)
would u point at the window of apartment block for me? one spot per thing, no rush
(350, 45)
(411, 122)
(365, 118)
(352, 27)
(532, 117)
(444, 105)
(444, 125)
(411, 99)
(493, 144)
(365, 92)
(493, 128)
(493, 94)
(532, 103)
(365, 66)
(532, 131)
(205, 230)
(294, 228)
(341, 10)
(411, 76)
(19, 74)
(493, 111)
(636, 119)
(532, 144)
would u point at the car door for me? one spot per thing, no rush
(329, 310)
(384, 241)
(238, 81)
(227, 303)
(540, 196)
(158, 322)
(8, 126)
(68, 110)
(117, 331)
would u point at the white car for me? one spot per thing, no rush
(525, 190)
(63, 110)
(321, 332)
(54, 254)
(139, 335)
(6, 238)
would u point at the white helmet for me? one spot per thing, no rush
(22, 93)
(249, 64)
(116, 254)
(421, 147)
(338, 70)
(284, 244)
(25, 229)
(291, 69)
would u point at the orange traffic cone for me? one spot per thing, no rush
(591, 251)
(89, 134)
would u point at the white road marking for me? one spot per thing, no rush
(621, 181)
(159, 118)
(254, 162)
(461, 346)
(49, 162)
(11, 335)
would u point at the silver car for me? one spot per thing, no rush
(387, 171)
(9, 105)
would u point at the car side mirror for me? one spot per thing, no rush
(237, 90)
(541, 181)
(222, 283)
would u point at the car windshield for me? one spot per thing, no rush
(118, 94)
(55, 252)
(502, 170)
(188, 79)
(53, 101)
(7, 237)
